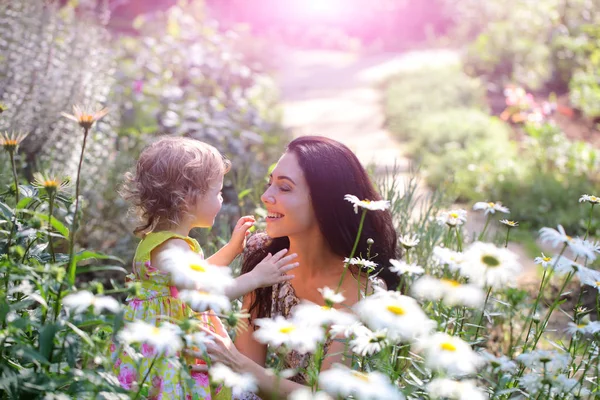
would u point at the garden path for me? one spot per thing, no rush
(337, 95)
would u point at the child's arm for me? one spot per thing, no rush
(235, 246)
(271, 270)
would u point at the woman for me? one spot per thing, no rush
(308, 215)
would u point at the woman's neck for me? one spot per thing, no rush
(314, 255)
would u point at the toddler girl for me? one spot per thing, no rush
(176, 187)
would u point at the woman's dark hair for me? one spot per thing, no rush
(332, 171)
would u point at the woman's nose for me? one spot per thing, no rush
(267, 197)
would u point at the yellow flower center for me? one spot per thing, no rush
(287, 329)
(451, 282)
(546, 259)
(448, 346)
(10, 142)
(360, 375)
(490, 261)
(491, 204)
(581, 326)
(594, 199)
(51, 183)
(326, 308)
(597, 283)
(197, 268)
(155, 331)
(396, 309)
(454, 215)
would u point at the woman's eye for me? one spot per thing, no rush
(285, 188)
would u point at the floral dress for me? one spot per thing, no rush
(158, 298)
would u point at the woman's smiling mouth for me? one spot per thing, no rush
(273, 216)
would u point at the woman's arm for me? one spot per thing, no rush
(245, 342)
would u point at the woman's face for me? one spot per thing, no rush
(287, 200)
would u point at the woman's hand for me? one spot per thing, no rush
(220, 350)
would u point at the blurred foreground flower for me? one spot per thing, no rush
(400, 268)
(307, 394)
(343, 382)
(373, 205)
(490, 266)
(165, 339)
(79, 302)
(451, 292)
(450, 354)
(85, 117)
(559, 236)
(11, 141)
(202, 301)
(443, 388)
(239, 383)
(281, 331)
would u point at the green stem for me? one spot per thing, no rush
(487, 297)
(507, 233)
(487, 221)
(145, 377)
(458, 238)
(50, 239)
(360, 227)
(14, 221)
(587, 232)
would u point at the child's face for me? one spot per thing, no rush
(208, 206)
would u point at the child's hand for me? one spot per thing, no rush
(240, 231)
(272, 269)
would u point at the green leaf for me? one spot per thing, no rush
(23, 352)
(24, 202)
(46, 339)
(244, 193)
(81, 334)
(84, 270)
(6, 210)
(56, 224)
(91, 255)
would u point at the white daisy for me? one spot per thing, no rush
(362, 262)
(501, 363)
(400, 315)
(281, 331)
(576, 245)
(366, 342)
(239, 383)
(331, 296)
(373, 205)
(544, 260)
(509, 223)
(189, 270)
(409, 241)
(444, 388)
(344, 382)
(589, 199)
(452, 218)
(554, 361)
(203, 301)
(307, 313)
(198, 340)
(491, 207)
(80, 301)
(165, 339)
(448, 257)
(400, 268)
(346, 330)
(307, 394)
(450, 354)
(490, 266)
(583, 273)
(532, 383)
(449, 291)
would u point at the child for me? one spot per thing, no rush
(176, 187)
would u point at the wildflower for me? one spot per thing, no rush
(559, 236)
(202, 301)
(2, 108)
(11, 141)
(307, 394)
(589, 199)
(307, 313)
(366, 342)
(449, 291)
(239, 383)
(452, 218)
(85, 117)
(198, 340)
(340, 381)
(552, 362)
(402, 268)
(331, 296)
(370, 265)
(165, 339)
(510, 224)
(444, 388)
(450, 354)
(490, 266)
(373, 205)
(490, 208)
(400, 315)
(408, 241)
(583, 273)
(189, 270)
(501, 363)
(346, 330)
(532, 383)
(448, 257)
(544, 260)
(283, 332)
(51, 182)
(79, 302)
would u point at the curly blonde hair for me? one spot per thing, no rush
(170, 175)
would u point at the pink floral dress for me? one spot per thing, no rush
(155, 299)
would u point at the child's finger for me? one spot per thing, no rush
(199, 368)
(285, 260)
(267, 258)
(277, 256)
(284, 278)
